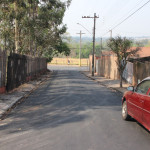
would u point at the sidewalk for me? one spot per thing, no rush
(11, 99)
(110, 83)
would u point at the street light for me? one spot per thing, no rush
(80, 40)
(85, 28)
(80, 48)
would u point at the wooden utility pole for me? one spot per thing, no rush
(101, 43)
(110, 33)
(95, 17)
(80, 47)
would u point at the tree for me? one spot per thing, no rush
(33, 27)
(6, 26)
(122, 47)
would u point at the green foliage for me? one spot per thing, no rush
(33, 27)
(87, 49)
(141, 42)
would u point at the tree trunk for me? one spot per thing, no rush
(16, 29)
(121, 80)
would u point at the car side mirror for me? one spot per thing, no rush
(130, 88)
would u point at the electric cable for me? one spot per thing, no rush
(128, 16)
(139, 2)
(131, 15)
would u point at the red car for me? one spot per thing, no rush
(136, 103)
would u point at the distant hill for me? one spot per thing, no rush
(88, 39)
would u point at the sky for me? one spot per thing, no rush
(111, 13)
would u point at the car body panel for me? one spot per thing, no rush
(135, 106)
(146, 111)
(138, 103)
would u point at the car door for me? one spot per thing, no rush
(135, 106)
(146, 109)
(136, 101)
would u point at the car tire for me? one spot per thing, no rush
(125, 115)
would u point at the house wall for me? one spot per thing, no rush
(140, 71)
(108, 67)
(134, 72)
(90, 63)
(98, 66)
(128, 73)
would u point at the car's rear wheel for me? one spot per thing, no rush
(125, 115)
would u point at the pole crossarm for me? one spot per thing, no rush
(90, 17)
(80, 33)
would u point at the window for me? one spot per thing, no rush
(143, 87)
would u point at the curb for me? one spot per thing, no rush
(20, 100)
(114, 89)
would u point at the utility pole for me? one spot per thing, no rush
(80, 48)
(101, 43)
(95, 17)
(110, 33)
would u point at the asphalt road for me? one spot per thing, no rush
(71, 112)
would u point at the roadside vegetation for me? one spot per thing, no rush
(87, 46)
(122, 47)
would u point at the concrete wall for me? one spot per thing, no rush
(140, 71)
(90, 63)
(98, 66)
(128, 73)
(22, 68)
(108, 67)
(105, 66)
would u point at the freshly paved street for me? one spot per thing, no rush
(71, 112)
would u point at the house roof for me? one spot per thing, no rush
(144, 52)
(107, 53)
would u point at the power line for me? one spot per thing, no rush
(139, 2)
(105, 33)
(130, 15)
